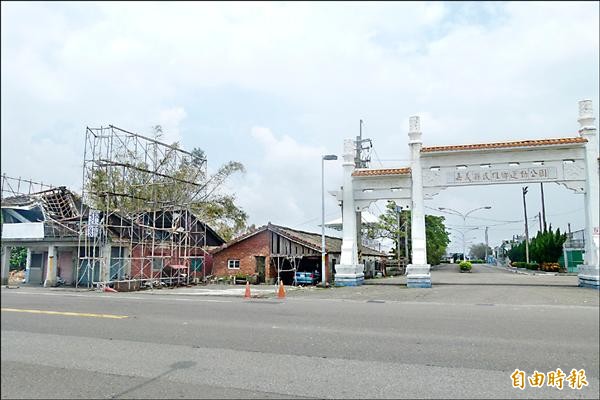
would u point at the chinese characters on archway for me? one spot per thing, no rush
(482, 175)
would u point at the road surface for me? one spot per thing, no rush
(375, 341)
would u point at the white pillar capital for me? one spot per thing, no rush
(414, 130)
(349, 152)
(586, 118)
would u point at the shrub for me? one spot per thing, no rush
(522, 264)
(550, 267)
(465, 266)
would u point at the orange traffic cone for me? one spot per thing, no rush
(247, 294)
(109, 289)
(281, 291)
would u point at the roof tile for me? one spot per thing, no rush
(520, 143)
(377, 172)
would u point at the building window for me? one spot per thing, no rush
(196, 264)
(158, 263)
(233, 264)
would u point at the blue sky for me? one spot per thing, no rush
(275, 85)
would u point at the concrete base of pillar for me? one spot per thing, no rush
(349, 275)
(418, 276)
(50, 283)
(589, 276)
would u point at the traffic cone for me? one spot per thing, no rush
(281, 291)
(247, 294)
(109, 289)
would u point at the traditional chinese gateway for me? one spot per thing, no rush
(570, 161)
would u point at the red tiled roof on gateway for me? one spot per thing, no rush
(520, 143)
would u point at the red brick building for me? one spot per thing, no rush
(273, 251)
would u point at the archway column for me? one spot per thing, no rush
(349, 272)
(418, 273)
(588, 273)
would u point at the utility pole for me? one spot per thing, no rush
(526, 226)
(359, 161)
(543, 206)
(398, 211)
(540, 219)
(486, 244)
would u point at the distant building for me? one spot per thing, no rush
(274, 251)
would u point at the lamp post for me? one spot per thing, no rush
(328, 157)
(464, 241)
(464, 217)
(524, 190)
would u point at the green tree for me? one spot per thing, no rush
(478, 251)
(437, 238)
(517, 252)
(18, 257)
(547, 246)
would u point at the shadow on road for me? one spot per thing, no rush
(173, 367)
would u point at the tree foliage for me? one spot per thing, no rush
(435, 231)
(478, 251)
(517, 253)
(545, 247)
(135, 188)
(18, 257)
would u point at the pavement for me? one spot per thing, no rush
(463, 338)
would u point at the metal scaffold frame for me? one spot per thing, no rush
(139, 191)
(18, 186)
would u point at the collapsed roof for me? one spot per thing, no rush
(59, 204)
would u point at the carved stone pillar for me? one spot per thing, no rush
(349, 272)
(418, 273)
(588, 274)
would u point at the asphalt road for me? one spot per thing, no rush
(423, 343)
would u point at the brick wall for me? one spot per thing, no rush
(245, 251)
(143, 267)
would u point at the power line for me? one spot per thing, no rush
(377, 156)
(312, 219)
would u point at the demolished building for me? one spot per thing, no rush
(133, 224)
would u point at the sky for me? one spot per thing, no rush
(277, 85)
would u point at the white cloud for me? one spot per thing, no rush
(285, 185)
(170, 119)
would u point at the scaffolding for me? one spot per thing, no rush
(139, 192)
(12, 187)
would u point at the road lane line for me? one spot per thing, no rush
(71, 314)
(109, 297)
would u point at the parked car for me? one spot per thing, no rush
(308, 278)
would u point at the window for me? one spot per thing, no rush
(158, 263)
(197, 264)
(233, 264)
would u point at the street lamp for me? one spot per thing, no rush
(464, 241)
(328, 157)
(464, 217)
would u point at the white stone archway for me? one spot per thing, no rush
(571, 161)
